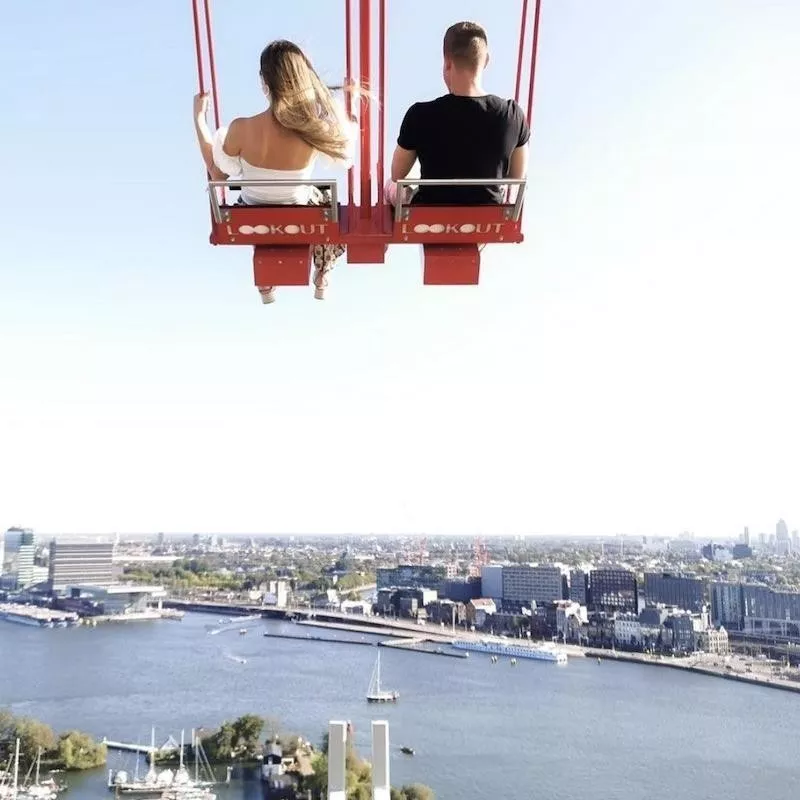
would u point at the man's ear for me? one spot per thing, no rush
(486, 63)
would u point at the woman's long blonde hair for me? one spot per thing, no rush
(301, 102)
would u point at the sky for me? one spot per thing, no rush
(631, 368)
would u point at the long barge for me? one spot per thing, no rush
(536, 652)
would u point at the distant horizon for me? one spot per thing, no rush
(683, 536)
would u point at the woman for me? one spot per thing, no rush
(283, 142)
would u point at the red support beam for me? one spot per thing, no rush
(198, 48)
(381, 108)
(534, 49)
(522, 27)
(365, 70)
(212, 69)
(348, 90)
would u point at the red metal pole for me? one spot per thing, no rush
(534, 49)
(381, 104)
(522, 27)
(365, 37)
(348, 94)
(198, 49)
(211, 66)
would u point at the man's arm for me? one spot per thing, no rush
(402, 162)
(518, 163)
(405, 153)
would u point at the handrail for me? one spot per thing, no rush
(521, 182)
(236, 182)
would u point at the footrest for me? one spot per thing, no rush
(451, 264)
(282, 265)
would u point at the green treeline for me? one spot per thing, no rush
(72, 750)
(208, 573)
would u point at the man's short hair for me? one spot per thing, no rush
(466, 44)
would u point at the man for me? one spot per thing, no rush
(466, 133)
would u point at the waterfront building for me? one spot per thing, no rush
(76, 563)
(446, 612)
(569, 615)
(524, 584)
(682, 591)
(111, 600)
(492, 582)
(16, 562)
(461, 590)
(627, 629)
(578, 580)
(480, 610)
(612, 590)
(726, 605)
(423, 577)
(681, 628)
(715, 640)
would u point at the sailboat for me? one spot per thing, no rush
(38, 789)
(375, 694)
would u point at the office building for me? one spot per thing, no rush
(492, 582)
(77, 563)
(423, 577)
(613, 589)
(16, 562)
(524, 584)
(687, 593)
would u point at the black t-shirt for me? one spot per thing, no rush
(463, 137)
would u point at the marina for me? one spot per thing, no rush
(166, 783)
(30, 786)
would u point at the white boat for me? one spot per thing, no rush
(544, 652)
(22, 619)
(375, 694)
(38, 789)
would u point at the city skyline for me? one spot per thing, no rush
(780, 530)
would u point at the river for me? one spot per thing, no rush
(609, 731)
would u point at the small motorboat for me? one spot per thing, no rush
(409, 751)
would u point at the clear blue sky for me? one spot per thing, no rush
(631, 368)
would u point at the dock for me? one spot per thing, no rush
(310, 638)
(170, 746)
(416, 645)
(36, 615)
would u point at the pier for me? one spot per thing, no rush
(411, 645)
(310, 638)
(416, 645)
(169, 747)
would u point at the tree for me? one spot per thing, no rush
(220, 745)
(416, 791)
(246, 732)
(33, 736)
(78, 750)
(7, 725)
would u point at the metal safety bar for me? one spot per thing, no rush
(216, 210)
(408, 182)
